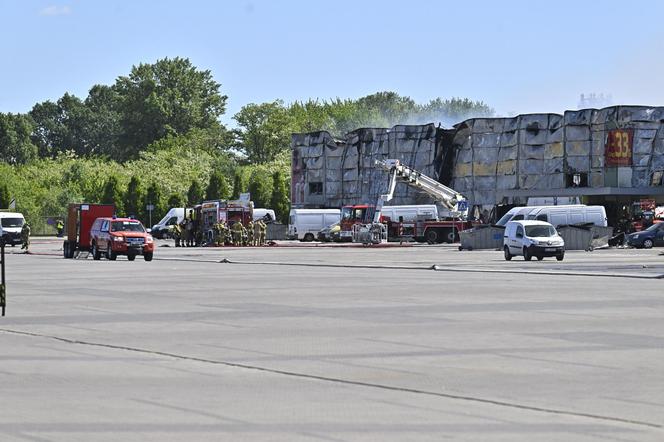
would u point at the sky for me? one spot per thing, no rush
(516, 56)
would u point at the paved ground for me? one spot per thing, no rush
(333, 343)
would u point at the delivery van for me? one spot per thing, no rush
(304, 224)
(10, 227)
(576, 214)
(164, 228)
(532, 238)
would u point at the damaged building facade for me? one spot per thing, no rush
(612, 156)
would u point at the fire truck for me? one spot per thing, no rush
(219, 211)
(364, 223)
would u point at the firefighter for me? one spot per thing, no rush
(177, 234)
(237, 233)
(263, 233)
(257, 232)
(25, 236)
(60, 227)
(250, 234)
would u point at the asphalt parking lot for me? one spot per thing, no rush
(333, 343)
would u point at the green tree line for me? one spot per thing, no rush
(155, 137)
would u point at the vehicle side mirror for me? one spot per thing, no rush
(148, 230)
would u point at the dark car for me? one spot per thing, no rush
(652, 236)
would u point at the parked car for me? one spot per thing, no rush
(532, 238)
(120, 236)
(330, 233)
(646, 239)
(576, 214)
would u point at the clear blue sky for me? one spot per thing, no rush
(517, 56)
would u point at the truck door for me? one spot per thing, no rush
(516, 240)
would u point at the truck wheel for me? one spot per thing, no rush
(65, 249)
(431, 236)
(539, 258)
(308, 237)
(96, 254)
(148, 256)
(451, 237)
(526, 254)
(647, 243)
(110, 254)
(560, 257)
(508, 255)
(131, 257)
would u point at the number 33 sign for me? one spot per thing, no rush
(618, 149)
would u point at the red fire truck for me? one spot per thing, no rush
(452, 211)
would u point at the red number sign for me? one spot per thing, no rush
(618, 149)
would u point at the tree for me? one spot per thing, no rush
(264, 130)
(153, 197)
(194, 194)
(390, 106)
(260, 189)
(111, 193)
(454, 110)
(5, 197)
(218, 188)
(175, 200)
(280, 202)
(15, 144)
(61, 126)
(133, 197)
(102, 126)
(238, 187)
(169, 97)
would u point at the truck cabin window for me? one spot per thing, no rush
(540, 231)
(126, 226)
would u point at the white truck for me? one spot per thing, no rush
(10, 227)
(574, 214)
(304, 224)
(164, 228)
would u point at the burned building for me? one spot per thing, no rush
(612, 156)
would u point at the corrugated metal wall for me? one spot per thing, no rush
(491, 155)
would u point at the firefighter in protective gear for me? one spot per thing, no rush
(263, 236)
(250, 234)
(237, 233)
(25, 236)
(177, 234)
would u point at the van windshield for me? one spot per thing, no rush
(502, 221)
(126, 226)
(12, 222)
(540, 231)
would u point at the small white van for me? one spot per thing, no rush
(558, 215)
(10, 227)
(164, 228)
(267, 215)
(410, 214)
(304, 224)
(532, 238)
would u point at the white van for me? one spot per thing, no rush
(267, 215)
(558, 215)
(304, 224)
(164, 227)
(410, 214)
(10, 227)
(532, 238)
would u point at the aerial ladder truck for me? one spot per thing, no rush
(452, 207)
